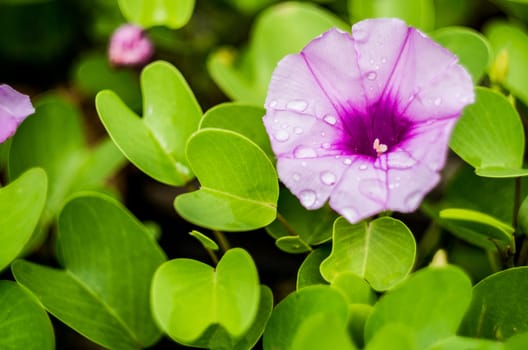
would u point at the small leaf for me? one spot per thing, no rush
(21, 204)
(382, 251)
(289, 315)
(431, 303)
(499, 306)
(156, 142)
(489, 133)
(147, 13)
(25, 324)
(471, 48)
(308, 273)
(292, 245)
(206, 242)
(189, 296)
(239, 185)
(109, 259)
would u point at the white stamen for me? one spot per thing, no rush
(379, 147)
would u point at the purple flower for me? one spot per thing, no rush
(364, 119)
(14, 108)
(129, 46)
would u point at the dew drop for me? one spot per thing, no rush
(328, 178)
(281, 136)
(326, 145)
(372, 76)
(350, 214)
(347, 161)
(273, 103)
(371, 62)
(330, 119)
(359, 34)
(307, 198)
(363, 167)
(297, 105)
(298, 131)
(384, 60)
(296, 177)
(438, 101)
(304, 152)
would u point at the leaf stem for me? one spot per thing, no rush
(286, 225)
(222, 240)
(212, 255)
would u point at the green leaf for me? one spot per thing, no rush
(522, 217)
(241, 118)
(156, 142)
(382, 251)
(308, 273)
(489, 133)
(25, 324)
(289, 315)
(499, 306)
(471, 48)
(147, 13)
(501, 172)
(312, 227)
(517, 342)
(462, 343)
(189, 296)
(21, 204)
(53, 139)
(355, 288)
(392, 336)
(279, 30)
(109, 259)
(93, 73)
(239, 186)
(206, 242)
(502, 231)
(322, 331)
(292, 245)
(513, 40)
(431, 303)
(418, 13)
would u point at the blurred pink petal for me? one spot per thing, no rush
(363, 120)
(14, 108)
(129, 46)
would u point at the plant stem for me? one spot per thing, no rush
(222, 240)
(516, 202)
(286, 225)
(212, 255)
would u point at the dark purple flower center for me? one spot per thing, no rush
(375, 132)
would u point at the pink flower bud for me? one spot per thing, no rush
(14, 108)
(129, 46)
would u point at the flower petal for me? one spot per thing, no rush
(8, 125)
(14, 108)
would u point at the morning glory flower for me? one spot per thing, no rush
(130, 46)
(14, 108)
(363, 119)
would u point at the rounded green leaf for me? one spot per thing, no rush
(431, 303)
(471, 47)
(109, 259)
(308, 273)
(239, 185)
(355, 288)
(292, 245)
(25, 324)
(489, 133)
(418, 13)
(156, 142)
(147, 13)
(279, 30)
(289, 315)
(499, 306)
(21, 204)
(322, 331)
(189, 296)
(381, 251)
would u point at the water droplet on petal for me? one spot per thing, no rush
(400, 160)
(363, 167)
(384, 60)
(347, 161)
(413, 200)
(359, 33)
(438, 101)
(304, 152)
(297, 105)
(328, 178)
(372, 61)
(281, 136)
(350, 214)
(326, 145)
(298, 131)
(330, 119)
(372, 76)
(296, 177)
(273, 103)
(307, 198)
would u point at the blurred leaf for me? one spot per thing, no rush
(289, 315)
(206, 242)
(522, 217)
(109, 259)
(308, 273)
(322, 331)
(147, 13)
(471, 48)
(241, 118)
(21, 203)
(279, 30)
(455, 12)
(25, 324)
(202, 296)
(381, 251)
(516, 342)
(239, 185)
(489, 133)
(418, 13)
(53, 139)
(506, 37)
(431, 303)
(392, 336)
(250, 6)
(93, 73)
(156, 142)
(461, 343)
(312, 227)
(499, 306)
